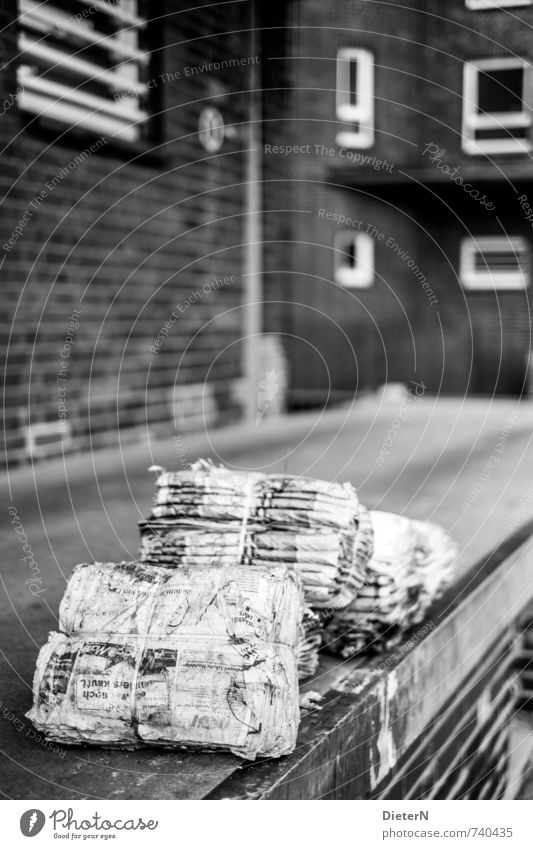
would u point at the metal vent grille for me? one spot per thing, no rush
(81, 64)
(494, 263)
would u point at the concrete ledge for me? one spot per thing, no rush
(86, 507)
(377, 721)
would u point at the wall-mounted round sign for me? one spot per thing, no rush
(211, 128)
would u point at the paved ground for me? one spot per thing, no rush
(465, 464)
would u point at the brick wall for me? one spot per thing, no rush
(128, 239)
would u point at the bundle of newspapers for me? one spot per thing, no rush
(197, 657)
(213, 515)
(242, 578)
(411, 565)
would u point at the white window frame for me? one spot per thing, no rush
(496, 4)
(120, 117)
(362, 112)
(362, 275)
(473, 279)
(472, 121)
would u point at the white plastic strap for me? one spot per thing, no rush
(142, 645)
(248, 502)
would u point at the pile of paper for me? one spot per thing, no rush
(213, 492)
(332, 562)
(374, 620)
(310, 643)
(411, 564)
(213, 515)
(168, 542)
(196, 657)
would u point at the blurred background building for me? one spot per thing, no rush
(418, 118)
(211, 212)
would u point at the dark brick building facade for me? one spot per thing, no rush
(420, 200)
(345, 209)
(125, 258)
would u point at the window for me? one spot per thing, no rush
(496, 4)
(81, 64)
(494, 263)
(354, 259)
(497, 106)
(355, 97)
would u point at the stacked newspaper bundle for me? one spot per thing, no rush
(164, 543)
(376, 618)
(211, 515)
(411, 564)
(198, 657)
(310, 643)
(205, 492)
(209, 492)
